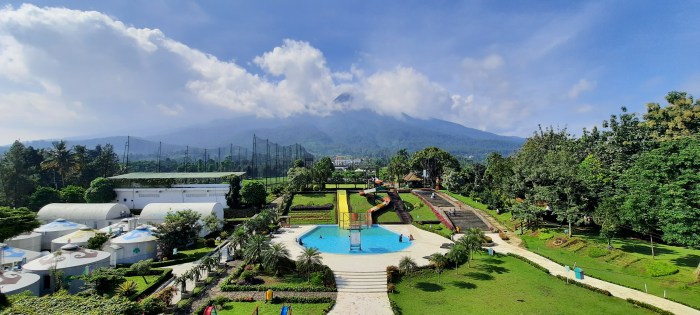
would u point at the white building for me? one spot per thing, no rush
(79, 237)
(136, 190)
(12, 282)
(155, 213)
(72, 260)
(123, 226)
(54, 230)
(28, 241)
(93, 215)
(11, 257)
(133, 246)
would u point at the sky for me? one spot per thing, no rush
(100, 68)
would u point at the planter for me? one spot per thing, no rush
(199, 283)
(489, 244)
(185, 295)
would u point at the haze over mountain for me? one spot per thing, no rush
(356, 133)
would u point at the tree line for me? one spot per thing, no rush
(632, 174)
(32, 177)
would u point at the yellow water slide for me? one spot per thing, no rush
(343, 209)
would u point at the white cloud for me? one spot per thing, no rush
(583, 109)
(581, 86)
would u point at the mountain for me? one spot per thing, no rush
(359, 133)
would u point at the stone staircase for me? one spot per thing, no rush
(466, 218)
(400, 208)
(360, 281)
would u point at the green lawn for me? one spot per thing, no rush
(503, 218)
(198, 250)
(313, 199)
(247, 308)
(388, 216)
(418, 210)
(360, 204)
(501, 285)
(142, 285)
(313, 216)
(627, 265)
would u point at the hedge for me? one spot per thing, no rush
(171, 262)
(532, 263)
(649, 307)
(165, 275)
(327, 206)
(279, 287)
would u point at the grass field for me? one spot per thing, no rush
(418, 210)
(247, 308)
(627, 265)
(360, 204)
(142, 285)
(313, 199)
(346, 186)
(501, 285)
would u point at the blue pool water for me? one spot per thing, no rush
(375, 240)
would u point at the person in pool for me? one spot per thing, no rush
(320, 236)
(400, 238)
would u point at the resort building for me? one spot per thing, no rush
(93, 215)
(72, 260)
(79, 237)
(28, 241)
(56, 229)
(154, 213)
(133, 246)
(136, 190)
(11, 257)
(12, 282)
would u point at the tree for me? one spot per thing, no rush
(407, 264)
(298, 163)
(439, 261)
(680, 118)
(127, 288)
(178, 230)
(16, 176)
(298, 178)
(233, 197)
(661, 192)
(212, 223)
(308, 261)
(106, 162)
(322, 171)
(97, 241)
(273, 255)
(434, 160)
(238, 239)
(472, 240)
(254, 248)
(60, 160)
(458, 254)
(103, 280)
(253, 193)
(608, 217)
(101, 190)
(14, 222)
(43, 196)
(399, 165)
(142, 268)
(73, 194)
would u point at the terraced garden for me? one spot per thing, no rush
(313, 216)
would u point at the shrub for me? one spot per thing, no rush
(503, 235)
(392, 274)
(390, 288)
(488, 239)
(224, 235)
(316, 278)
(660, 268)
(597, 251)
(210, 242)
(545, 235)
(247, 276)
(697, 273)
(649, 307)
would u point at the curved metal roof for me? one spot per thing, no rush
(82, 211)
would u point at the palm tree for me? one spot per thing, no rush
(438, 261)
(274, 255)
(254, 248)
(407, 264)
(308, 261)
(127, 288)
(472, 240)
(60, 160)
(458, 254)
(238, 239)
(181, 281)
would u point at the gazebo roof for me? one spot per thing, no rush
(412, 177)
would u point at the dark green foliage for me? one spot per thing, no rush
(97, 241)
(16, 176)
(73, 194)
(233, 197)
(277, 287)
(62, 303)
(43, 196)
(101, 190)
(435, 160)
(178, 230)
(4, 301)
(322, 171)
(253, 193)
(142, 268)
(103, 280)
(14, 222)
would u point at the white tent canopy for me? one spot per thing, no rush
(94, 215)
(155, 212)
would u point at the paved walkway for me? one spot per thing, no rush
(616, 290)
(425, 244)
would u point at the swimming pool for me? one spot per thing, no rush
(375, 240)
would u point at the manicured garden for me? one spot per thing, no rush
(306, 212)
(500, 285)
(247, 308)
(346, 186)
(629, 263)
(418, 210)
(504, 218)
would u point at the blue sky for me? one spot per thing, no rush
(140, 67)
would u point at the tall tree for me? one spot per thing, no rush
(15, 221)
(178, 230)
(309, 261)
(680, 118)
(322, 171)
(399, 165)
(60, 160)
(253, 193)
(434, 161)
(16, 178)
(233, 197)
(101, 190)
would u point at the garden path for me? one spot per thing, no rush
(503, 247)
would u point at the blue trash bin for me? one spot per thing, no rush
(579, 273)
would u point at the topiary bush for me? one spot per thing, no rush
(597, 251)
(657, 268)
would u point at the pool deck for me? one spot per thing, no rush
(425, 244)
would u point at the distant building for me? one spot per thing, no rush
(136, 190)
